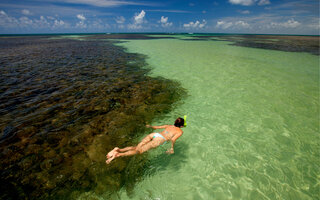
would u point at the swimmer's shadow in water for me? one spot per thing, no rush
(154, 165)
(162, 161)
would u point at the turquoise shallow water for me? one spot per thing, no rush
(253, 123)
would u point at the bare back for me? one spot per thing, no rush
(171, 131)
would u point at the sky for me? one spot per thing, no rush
(167, 16)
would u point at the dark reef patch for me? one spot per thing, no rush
(308, 44)
(63, 105)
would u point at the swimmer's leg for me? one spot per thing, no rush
(117, 154)
(116, 149)
(126, 149)
(150, 145)
(111, 153)
(145, 144)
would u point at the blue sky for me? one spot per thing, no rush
(216, 16)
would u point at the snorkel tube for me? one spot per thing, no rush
(185, 121)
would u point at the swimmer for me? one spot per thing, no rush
(153, 140)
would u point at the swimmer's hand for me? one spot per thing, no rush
(171, 151)
(148, 126)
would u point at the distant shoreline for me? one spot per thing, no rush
(148, 33)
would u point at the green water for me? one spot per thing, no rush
(253, 123)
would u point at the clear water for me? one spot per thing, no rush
(253, 123)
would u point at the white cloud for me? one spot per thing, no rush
(134, 26)
(314, 23)
(7, 21)
(120, 20)
(242, 2)
(98, 25)
(249, 2)
(138, 20)
(268, 24)
(224, 24)
(3, 13)
(164, 19)
(195, 25)
(106, 3)
(203, 24)
(25, 21)
(81, 24)
(263, 2)
(314, 26)
(232, 25)
(291, 23)
(242, 24)
(42, 23)
(26, 12)
(27, 24)
(81, 17)
(164, 22)
(58, 23)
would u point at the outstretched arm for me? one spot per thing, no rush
(157, 127)
(173, 140)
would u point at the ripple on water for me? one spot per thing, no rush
(253, 118)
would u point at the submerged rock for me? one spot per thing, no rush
(290, 43)
(8, 131)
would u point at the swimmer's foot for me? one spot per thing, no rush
(111, 158)
(112, 152)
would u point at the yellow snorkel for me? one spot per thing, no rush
(185, 121)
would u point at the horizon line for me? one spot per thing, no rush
(165, 33)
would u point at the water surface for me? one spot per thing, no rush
(253, 122)
(252, 104)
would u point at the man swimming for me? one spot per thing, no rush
(153, 140)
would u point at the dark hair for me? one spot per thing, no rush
(179, 122)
